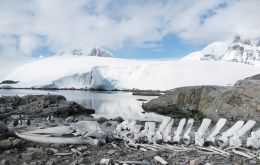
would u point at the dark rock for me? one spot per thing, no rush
(51, 162)
(40, 106)
(5, 162)
(18, 143)
(9, 82)
(119, 119)
(6, 144)
(101, 120)
(147, 93)
(234, 103)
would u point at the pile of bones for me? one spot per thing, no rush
(236, 140)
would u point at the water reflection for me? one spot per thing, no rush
(107, 104)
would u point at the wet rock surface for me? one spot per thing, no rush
(40, 106)
(240, 101)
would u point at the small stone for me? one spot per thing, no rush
(82, 148)
(29, 156)
(111, 152)
(51, 162)
(195, 162)
(5, 162)
(33, 163)
(18, 143)
(83, 161)
(101, 120)
(6, 144)
(119, 119)
(51, 151)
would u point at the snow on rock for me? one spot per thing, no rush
(99, 52)
(240, 50)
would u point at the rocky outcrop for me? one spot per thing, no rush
(40, 106)
(241, 101)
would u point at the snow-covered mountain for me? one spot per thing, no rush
(94, 70)
(99, 52)
(239, 50)
(114, 73)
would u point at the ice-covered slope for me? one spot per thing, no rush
(113, 73)
(44, 71)
(10, 63)
(239, 50)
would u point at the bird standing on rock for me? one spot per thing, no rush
(15, 123)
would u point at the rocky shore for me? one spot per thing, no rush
(43, 111)
(241, 101)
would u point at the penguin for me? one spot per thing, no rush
(20, 122)
(28, 122)
(15, 123)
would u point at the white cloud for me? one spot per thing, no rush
(64, 24)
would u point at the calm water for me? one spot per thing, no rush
(107, 104)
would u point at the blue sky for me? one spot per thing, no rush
(170, 47)
(127, 28)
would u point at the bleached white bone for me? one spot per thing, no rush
(159, 132)
(144, 132)
(215, 130)
(187, 130)
(160, 160)
(167, 132)
(89, 129)
(105, 161)
(223, 140)
(254, 139)
(60, 130)
(236, 139)
(178, 132)
(122, 126)
(201, 132)
(56, 140)
(151, 131)
(242, 154)
(131, 125)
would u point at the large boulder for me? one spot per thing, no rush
(241, 101)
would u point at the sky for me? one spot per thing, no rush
(127, 28)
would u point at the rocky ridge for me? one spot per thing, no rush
(240, 50)
(241, 101)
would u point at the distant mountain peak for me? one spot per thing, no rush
(99, 52)
(240, 50)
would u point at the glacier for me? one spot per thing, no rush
(96, 71)
(120, 74)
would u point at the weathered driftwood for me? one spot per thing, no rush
(187, 130)
(215, 130)
(178, 132)
(223, 140)
(236, 140)
(201, 132)
(254, 139)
